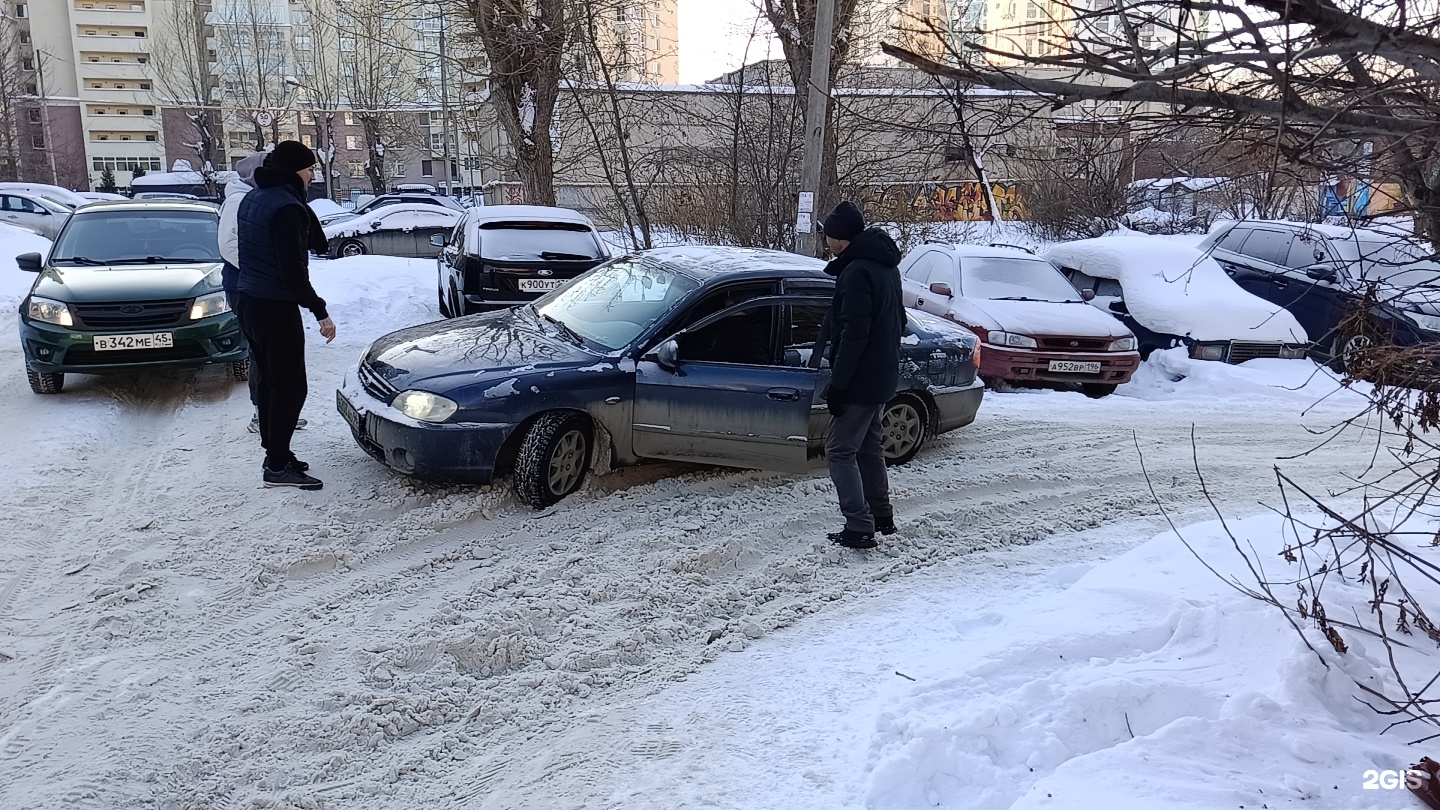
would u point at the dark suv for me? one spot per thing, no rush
(1323, 275)
(502, 255)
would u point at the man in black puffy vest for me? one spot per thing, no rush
(866, 320)
(277, 230)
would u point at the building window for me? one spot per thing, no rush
(24, 37)
(352, 142)
(21, 11)
(140, 34)
(398, 170)
(34, 115)
(425, 119)
(347, 44)
(144, 85)
(142, 60)
(150, 138)
(122, 111)
(357, 169)
(30, 90)
(308, 140)
(303, 44)
(27, 63)
(147, 111)
(37, 141)
(349, 119)
(427, 168)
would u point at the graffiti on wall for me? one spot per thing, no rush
(962, 201)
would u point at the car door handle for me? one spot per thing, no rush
(1281, 283)
(783, 394)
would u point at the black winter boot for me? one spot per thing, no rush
(853, 539)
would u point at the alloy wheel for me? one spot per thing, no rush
(901, 429)
(567, 462)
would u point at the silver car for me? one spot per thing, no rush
(33, 212)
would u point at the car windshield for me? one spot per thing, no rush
(614, 303)
(1003, 278)
(537, 241)
(138, 237)
(54, 206)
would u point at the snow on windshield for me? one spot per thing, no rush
(999, 277)
(1178, 290)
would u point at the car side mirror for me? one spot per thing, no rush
(1087, 295)
(30, 262)
(667, 355)
(375, 224)
(439, 240)
(941, 288)
(1321, 273)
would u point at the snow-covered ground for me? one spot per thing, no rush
(174, 636)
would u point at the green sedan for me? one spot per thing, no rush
(129, 285)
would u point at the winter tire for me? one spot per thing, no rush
(1098, 390)
(904, 426)
(1343, 351)
(240, 370)
(351, 247)
(43, 383)
(554, 457)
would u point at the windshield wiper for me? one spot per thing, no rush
(80, 260)
(570, 333)
(1014, 298)
(163, 260)
(547, 254)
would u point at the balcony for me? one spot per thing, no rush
(86, 18)
(111, 72)
(128, 97)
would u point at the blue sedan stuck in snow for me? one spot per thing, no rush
(688, 354)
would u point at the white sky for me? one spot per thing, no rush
(713, 36)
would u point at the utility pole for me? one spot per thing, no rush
(45, 117)
(444, 102)
(816, 110)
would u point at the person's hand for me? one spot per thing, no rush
(327, 330)
(835, 402)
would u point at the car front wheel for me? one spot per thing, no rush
(240, 370)
(43, 383)
(1098, 390)
(904, 426)
(351, 247)
(553, 459)
(1346, 351)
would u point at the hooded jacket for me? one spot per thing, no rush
(277, 231)
(866, 321)
(235, 190)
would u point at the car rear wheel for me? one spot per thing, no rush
(904, 426)
(1345, 351)
(1098, 390)
(351, 247)
(43, 383)
(553, 459)
(240, 370)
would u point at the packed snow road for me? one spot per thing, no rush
(174, 636)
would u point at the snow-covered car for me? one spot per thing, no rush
(33, 212)
(129, 285)
(64, 196)
(405, 229)
(1323, 274)
(1172, 295)
(503, 255)
(1034, 326)
(690, 354)
(374, 204)
(100, 196)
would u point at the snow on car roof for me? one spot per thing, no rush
(527, 213)
(988, 251)
(703, 262)
(1178, 290)
(392, 217)
(1381, 234)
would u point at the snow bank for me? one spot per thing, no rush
(1177, 290)
(1170, 374)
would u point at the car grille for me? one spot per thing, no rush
(1068, 344)
(1240, 352)
(87, 356)
(132, 314)
(375, 385)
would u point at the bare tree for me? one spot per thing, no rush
(253, 58)
(182, 67)
(375, 84)
(12, 106)
(317, 73)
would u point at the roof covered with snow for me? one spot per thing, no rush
(527, 213)
(400, 216)
(1178, 290)
(180, 179)
(709, 262)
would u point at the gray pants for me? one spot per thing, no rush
(857, 466)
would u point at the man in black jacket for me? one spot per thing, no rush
(866, 320)
(277, 231)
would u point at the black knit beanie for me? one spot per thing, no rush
(845, 222)
(292, 156)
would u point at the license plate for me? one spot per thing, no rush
(154, 340)
(348, 412)
(1069, 367)
(540, 285)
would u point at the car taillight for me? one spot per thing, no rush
(975, 358)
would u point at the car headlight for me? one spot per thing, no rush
(1429, 323)
(1208, 351)
(45, 310)
(209, 305)
(1125, 344)
(1012, 339)
(425, 406)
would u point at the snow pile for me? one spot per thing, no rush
(1148, 683)
(1171, 374)
(398, 217)
(1176, 290)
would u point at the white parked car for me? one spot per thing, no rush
(402, 229)
(64, 196)
(1033, 325)
(33, 212)
(1172, 295)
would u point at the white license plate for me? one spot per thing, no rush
(154, 340)
(1069, 367)
(349, 414)
(540, 285)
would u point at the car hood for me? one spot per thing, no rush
(1050, 318)
(81, 285)
(445, 355)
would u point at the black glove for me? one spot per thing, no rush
(835, 401)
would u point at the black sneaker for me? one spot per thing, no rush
(886, 527)
(291, 476)
(853, 539)
(299, 465)
(255, 424)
